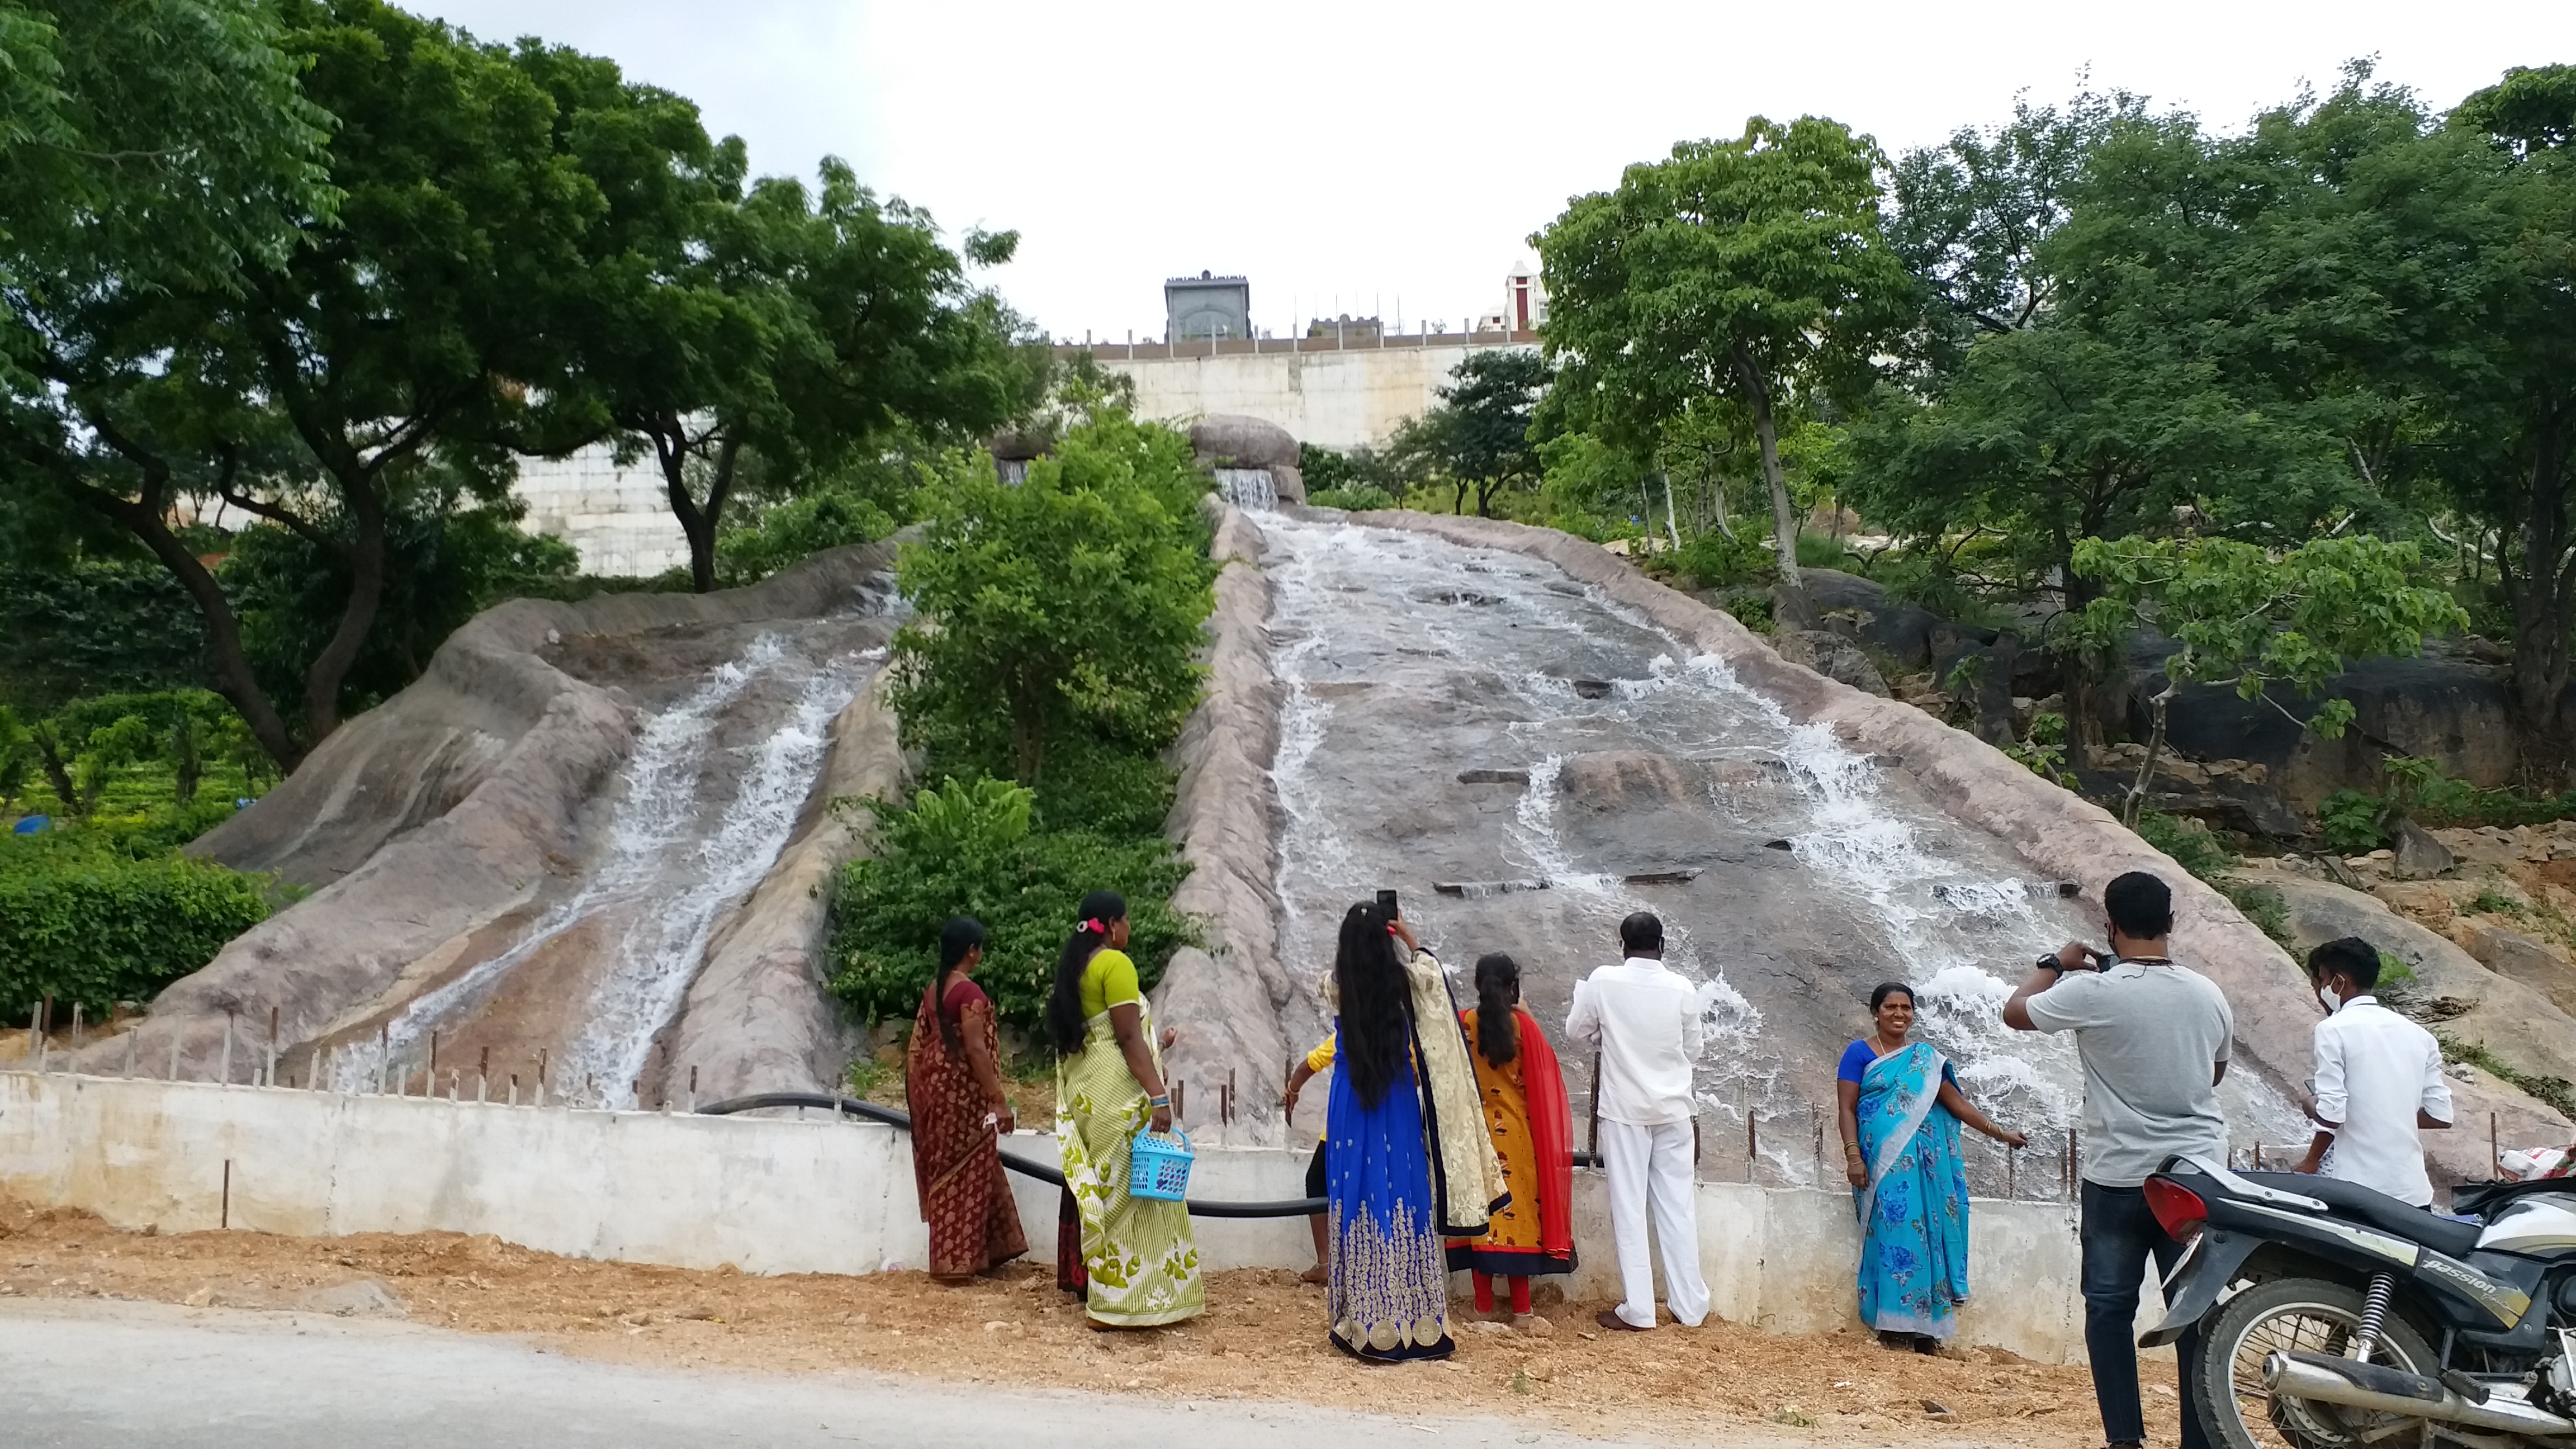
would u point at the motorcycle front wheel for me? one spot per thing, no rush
(2307, 1315)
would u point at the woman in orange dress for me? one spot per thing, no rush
(1533, 1130)
(953, 1081)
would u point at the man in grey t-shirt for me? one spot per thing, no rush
(2153, 1038)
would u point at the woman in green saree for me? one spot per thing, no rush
(1132, 1259)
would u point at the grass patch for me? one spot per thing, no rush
(2558, 1092)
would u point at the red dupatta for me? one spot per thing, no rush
(1551, 1135)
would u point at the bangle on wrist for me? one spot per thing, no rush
(1158, 1101)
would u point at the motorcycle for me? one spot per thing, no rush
(2331, 1316)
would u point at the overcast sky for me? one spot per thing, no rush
(1371, 157)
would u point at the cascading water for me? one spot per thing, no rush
(1251, 489)
(1527, 762)
(719, 776)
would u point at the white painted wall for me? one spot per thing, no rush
(1342, 399)
(618, 518)
(779, 1195)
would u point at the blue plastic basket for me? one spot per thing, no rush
(1158, 1166)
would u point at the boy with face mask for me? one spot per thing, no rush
(2379, 1077)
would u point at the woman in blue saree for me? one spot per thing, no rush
(1408, 1162)
(1901, 1111)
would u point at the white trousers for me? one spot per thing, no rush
(1650, 1171)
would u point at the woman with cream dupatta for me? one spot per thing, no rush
(1408, 1161)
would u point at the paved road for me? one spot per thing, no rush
(96, 1375)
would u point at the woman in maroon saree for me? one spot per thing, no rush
(953, 1080)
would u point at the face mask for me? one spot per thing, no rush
(2327, 995)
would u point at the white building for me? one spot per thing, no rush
(619, 519)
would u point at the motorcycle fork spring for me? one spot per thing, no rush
(2374, 1313)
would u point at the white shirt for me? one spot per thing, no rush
(1645, 1020)
(2375, 1071)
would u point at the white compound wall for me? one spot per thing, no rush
(779, 1195)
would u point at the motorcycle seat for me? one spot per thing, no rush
(2377, 1211)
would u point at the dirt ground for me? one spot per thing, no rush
(1261, 1338)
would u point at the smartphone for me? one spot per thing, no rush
(1386, 903)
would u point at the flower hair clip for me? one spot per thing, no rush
(1093, 926)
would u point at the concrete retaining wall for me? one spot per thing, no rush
(786, 1196)
(1342, 399)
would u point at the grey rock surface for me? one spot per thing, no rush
(2517, 957)
(2059, 834)
(2445, 706)
(1908, 633)
(1832, 656)
(2418, 855)
(1227, 998)
(1231, 440)
(2457, 996)
(435, 829)
(758, 1017)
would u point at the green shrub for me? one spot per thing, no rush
(886, 915)
(2267, 908)
(2395, 970)
(1070, 604)
(1821, 551)
(1357, 497)
(2558, 1092)
(1720, 562)
(81, 921)
(2188, 842)
(2043, 751)
(2353, 822)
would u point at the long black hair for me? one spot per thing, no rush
(961, 935)
(1498, 990)
(1065, 1022)
(1376, 1004)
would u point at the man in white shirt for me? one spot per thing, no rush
(2379, 1078)
(1644, 1019)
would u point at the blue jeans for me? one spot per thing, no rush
(2119, 1235)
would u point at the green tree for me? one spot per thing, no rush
(1753, 269)
(2252, 619)
(144, 144)
(801, 327)
(1482, 437)
(285, 390)
(1070, 603)
(1972, 217)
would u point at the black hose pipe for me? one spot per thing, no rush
(1293, 1208)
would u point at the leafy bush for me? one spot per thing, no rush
(988, 815)
(2267, 908)
(1357, 497)
(1068, 604)
(1821, 551)
(2558, 1092)
(1720, 562)
(2188, 842)
(865, 501)
(887, 913)
(2043, 751)
(83, 921)
(2353, 822)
